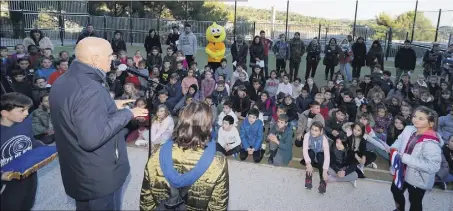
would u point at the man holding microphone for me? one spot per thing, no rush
(89, 129)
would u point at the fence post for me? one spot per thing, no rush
(287, 13)
(389, 43)
(407, 35)
(413, 22)
(437, 27)
(254, 29)
(355, 19)
(234, 25)
(130, 22)
(22, 20)
(105, 27)
(366, 33)
(61, 23)
(319, 33)
(325, 38)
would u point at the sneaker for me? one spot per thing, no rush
(322, 187)
(372, 165)
(141, 142)
(359, 171)
(308, 182)
(354, 183)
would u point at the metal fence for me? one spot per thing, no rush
(62, 22)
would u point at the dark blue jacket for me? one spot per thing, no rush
(174, 94)
(89, 133)
(251, 134)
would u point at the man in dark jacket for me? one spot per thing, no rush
(89, 132)
(297, 50)
(405, 60)
(172, 38)
(359, 52)
(88, 32)
(174, 90)
(239, 51)
(432, 61)
(118, 43)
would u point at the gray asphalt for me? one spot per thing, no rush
(253, 187)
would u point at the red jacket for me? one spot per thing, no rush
(267, 44)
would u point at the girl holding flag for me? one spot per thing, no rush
(416, 158)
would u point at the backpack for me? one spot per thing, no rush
(176, 201)
(178, 196)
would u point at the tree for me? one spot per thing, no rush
(424, 30)
(184, 10)
(214, 11)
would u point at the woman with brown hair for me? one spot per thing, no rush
(187, 171)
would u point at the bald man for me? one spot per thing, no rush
(89, 129)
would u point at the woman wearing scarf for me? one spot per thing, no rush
(153, 39)
(345, 60)
(375, 56)
(118, 43)
(38, 39)
(188, 162)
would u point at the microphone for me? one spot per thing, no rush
(133, 71)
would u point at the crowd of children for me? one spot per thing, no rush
(341, 127)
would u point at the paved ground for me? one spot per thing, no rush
(252, 187)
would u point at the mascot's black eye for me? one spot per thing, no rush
(213, 30)
(218, 30)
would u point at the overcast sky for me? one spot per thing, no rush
(367, 9)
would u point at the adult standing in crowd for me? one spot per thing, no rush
(118, 43)
(281, 52)
(359, 53)
(405, 60)
(331, 52)
(239, 51)
(38, 39)
(297, 50)
(89, 129)
(187, 43)
(172, 38)
(350, 40)
(267, 44)
(313, 58)
(189, 162)
(375, 56)
(87, 32)
(153, 39)
(257, 52)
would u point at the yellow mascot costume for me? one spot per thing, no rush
(215, 34)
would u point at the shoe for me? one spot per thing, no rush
(141, 142)
(359, 171)
(372, 165)
(270, 161)
(322, 187)
(308, 182)
(354, 183)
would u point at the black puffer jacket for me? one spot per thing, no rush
(256, 51)
(359, 51)
(405, 59)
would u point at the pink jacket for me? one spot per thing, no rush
(325, 148)
(207, 87)
(161, 131)
(187, 82)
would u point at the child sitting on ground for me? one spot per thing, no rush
(223, 70)
(161, 127)
(228, 142)
(316, 154)
(241, 103)
(227, 111)
(251, 134)
(280, 142)
(341, 168)
(42, 124)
